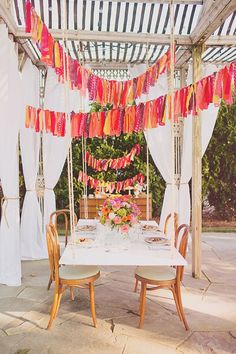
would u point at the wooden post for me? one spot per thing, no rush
(196, 177)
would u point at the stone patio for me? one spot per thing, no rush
(210, 307)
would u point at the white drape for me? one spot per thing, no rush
(55, 148)
(159, 143)
(32, 244)
(10, 101)
(208, 119)
(54, 156)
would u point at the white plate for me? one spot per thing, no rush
(156, 240)
(84, 241)
(85, 228)
(150, 228)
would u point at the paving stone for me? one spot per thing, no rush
(15, 322)
(10, 291)
(35, 273)
(222, 273)
(65, 339)
(36, 293)
(21, 328)
(2, 333)
(208, 343)
(222, 244)
(233, 334)
(13, 309)
(144, 346)
(196, 285)
(165, 327)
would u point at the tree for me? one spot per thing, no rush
(219, 165)
(111, 147)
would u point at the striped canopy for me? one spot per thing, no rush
(103, 26)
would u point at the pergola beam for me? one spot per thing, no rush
(122, 37)
(216, 41)
(213, 14)
(115, 37)
(6, 16)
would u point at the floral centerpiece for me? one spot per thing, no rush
(120, 213)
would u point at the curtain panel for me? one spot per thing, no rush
(10, 114)
(31, 235)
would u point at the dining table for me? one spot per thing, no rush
(94, 244)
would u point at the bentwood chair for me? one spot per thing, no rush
(66, 214)
(168, 218)
(167, 221)
(54, 220)
(165, 277)
(68, 276)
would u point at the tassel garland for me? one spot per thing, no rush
(150, 114)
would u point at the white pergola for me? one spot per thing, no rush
(113, 34)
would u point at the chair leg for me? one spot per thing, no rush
(92, 304)
(54, 307)
(49, 282)
(72, 296)
(136, 286)
(172, 288)
(142, 303)
(140, 299)
(178, 293)
(58, 302)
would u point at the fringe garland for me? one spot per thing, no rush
(110, 186)
(151, 114)
(121, 93)
(115, 164)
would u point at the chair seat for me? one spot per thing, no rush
(77, 272)
(156, 273)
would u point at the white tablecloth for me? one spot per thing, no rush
(127, 254)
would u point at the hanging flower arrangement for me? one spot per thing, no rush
(120, 213)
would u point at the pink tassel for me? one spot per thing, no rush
(28, 8)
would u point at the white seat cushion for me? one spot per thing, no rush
(77, 272)
(156, 273)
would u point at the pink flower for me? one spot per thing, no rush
(124, 229)
(117, 220)
(111, 216)
(133, 219)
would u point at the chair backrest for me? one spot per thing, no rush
(64, 212)
(53, 251)
(181, 241)
(168, 220)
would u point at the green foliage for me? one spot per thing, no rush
(111, 147)
(96, 107)
(219, 165)
(61, 190)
